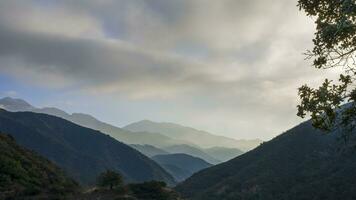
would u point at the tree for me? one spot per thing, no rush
(334, 47)
(110, 179)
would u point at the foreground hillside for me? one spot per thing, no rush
(23, 173)
(299, 164)
(83, 153)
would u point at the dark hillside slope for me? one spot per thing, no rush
(299, 164)
(181, 166)
(23, 173)
(82, 152)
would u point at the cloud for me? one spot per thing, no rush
(225, 61)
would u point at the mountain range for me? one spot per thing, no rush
(302, 163)
(82, 152)
(157, 135)
(199, 138)
(15, 105)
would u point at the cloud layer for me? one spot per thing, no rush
(223, 66)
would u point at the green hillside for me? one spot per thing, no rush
(23, 173)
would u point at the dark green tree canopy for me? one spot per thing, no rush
(109, 179)
(334, 46)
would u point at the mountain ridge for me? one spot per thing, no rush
(200, 138)
(89, 121)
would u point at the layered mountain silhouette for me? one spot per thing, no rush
(193, 151)
(212, 155)
(128, 137)
(302, 163)
(25, 174)
(149, 150)
(82, 152)
(181, 166)
(167, 135)
(190, 135)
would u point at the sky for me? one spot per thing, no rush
(230, 67)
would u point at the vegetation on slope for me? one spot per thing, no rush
(23, 173)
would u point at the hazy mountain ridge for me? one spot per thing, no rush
(181, 166)
(156, 139)
(15, 105)
(200, 138)
(149, 150)
(193, 151)
(80, 151)
(223, 153)
(89, 121)
(302, 163)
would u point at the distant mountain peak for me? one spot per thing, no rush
(15, 100)
(15, 104)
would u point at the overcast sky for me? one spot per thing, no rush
(230, 67)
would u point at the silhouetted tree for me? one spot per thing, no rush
(110, 179)
(334, 46)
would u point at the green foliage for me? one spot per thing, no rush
(24, 174)
(335, 37)
(110, 179)
(323, 102)
(334, 46)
